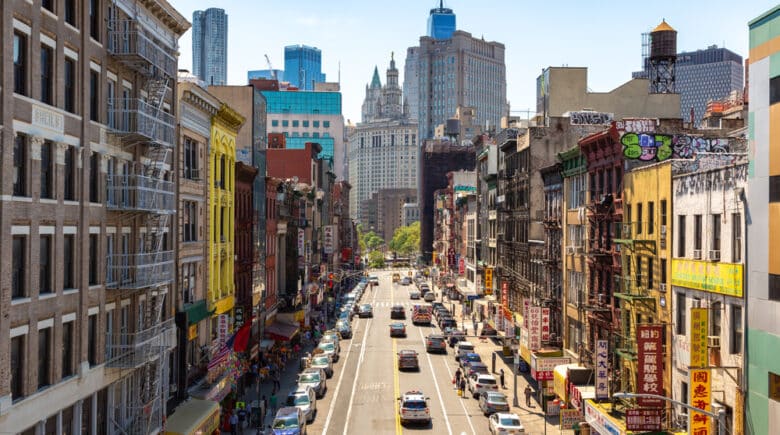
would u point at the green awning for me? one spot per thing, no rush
(197, 311)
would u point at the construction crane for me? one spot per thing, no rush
(270, 67)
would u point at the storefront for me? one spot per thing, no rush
(195, 417)
(601, 423)
(281, 331)
(214, 391)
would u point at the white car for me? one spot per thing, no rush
(414, 294)
(505, 424)
(303, 398)
(462, 348)
(328, 349)
(429, 297)
(413, 407)
(479, 382)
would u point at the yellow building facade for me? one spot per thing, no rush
(222, 161)
(646, 254)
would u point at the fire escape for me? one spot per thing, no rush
(142, 197)
(553, 234)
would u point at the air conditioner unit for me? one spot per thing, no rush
(662, 287)
(570, 250)
(663, 230)
(696, 303)
(697, 254)
(714, 255)
(713, 341)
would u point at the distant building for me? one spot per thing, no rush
(441, 22)
(265, 74)
(411, 213)
(303, 66)
(411, 81)
(209, 45)
(390, 207)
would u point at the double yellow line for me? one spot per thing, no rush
(396, 384)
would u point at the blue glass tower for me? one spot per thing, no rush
(303, 66)
(209, 46)
(441, 22)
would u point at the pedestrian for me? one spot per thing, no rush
(277, 384)
(458, 374)
(263, 409)
(501, 378)
(462, 387)
(233, 423)
(272, 402)
(528, 394)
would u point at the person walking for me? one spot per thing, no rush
(272, 402)
(233, 423)
(462, 387)
(528, 393)
(501, 378)
(458, 374)
(242, 414)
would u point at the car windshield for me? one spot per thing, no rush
(309, 377)
(510, 421)
(466, 347)
(414, 404)
(496, 398)
(290, 422)
(297, 399)
(365, 307)
(321, 360)
(327, 346)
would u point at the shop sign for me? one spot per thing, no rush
(708, 276)
(509, 328)
(535, 328)
(238, 316)
(505, 293)
(698, 337)
(569, 417)
(499, 320)
(223, 328)
(488, 280)
(600, 422)
(602, 369)
(650, 367)
(701, 397)
(526, 306)
(301, 242)
(553, 407)
(644, 420)
(192, 332)
(327, 238)
(542, 368)
(545, 324)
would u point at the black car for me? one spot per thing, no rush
(397, 312)
(447, 322)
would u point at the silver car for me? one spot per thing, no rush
(314, 378)
(329, 349)
(324, 363)
(303, 398)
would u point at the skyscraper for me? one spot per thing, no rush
(441, 22)
(209, 45)
(705, 75)
(411, 81)
(303, 66)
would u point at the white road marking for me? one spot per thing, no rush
(438, 391)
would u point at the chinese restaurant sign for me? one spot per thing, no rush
(698, 337)
(545, 324)
(535, 328)
(701, 392)
(708, 276)
(602, 369)
(650, 364)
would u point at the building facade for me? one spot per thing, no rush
(412, 81)
(441, 22)
(390, 203)
(303, 66)
(704, 75)
(209, 45)
(411, 213)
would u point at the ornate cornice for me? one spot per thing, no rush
(168, 15)
(229, 117)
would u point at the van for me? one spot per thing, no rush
(462, 348)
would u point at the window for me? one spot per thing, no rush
(68, 255)
(47, 170)
(295, 123)
(45, 268)
(680, 326)
(19, 275)
(93, 259)
(20, 165)
(650, 272)
(325, 124)
(48, 4)
(716, 232)
(94, 19)
(44, 358)
(274, 123)
(774, 188)
(92, 338)
(663, 212)
(663, 271)
(47, 74)
(17, 367)
(94, 193)
(94, 98)
(190, 224)
(774, 287)
(736, 237)
(697, 232)
(774, 90)
(315, 124)
(20, 63)
(650, 217)
(69, 178)
(188, 273)
(305, 123)
(715, 318)
(70, 12)
(638, 271)
(285, 123)
(681, 236)
(190, 159)
(684, 392)
(639, 218)
(67, 349)
(735, 344)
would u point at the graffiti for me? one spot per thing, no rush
(637, 125)
(590, 118)
(660, 147)
(716, 172)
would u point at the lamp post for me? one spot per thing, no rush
(720, 415)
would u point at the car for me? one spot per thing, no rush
(436, 305)
(397, 329)
(413, 408)
(491, 402)
(462, 348)
(373, 280)
(303, 398)
(414, 294)
(331, 337)
(479, 382)
(488, 331)
(435, 343)
(345, 315)
(344, 329)
(406, 281)
(314, 378)
(328, 349)
(323, 362)
(505, 424)
(407, 359)
(475, 367)
(397, 312)
(289, 420)
(365, 310)
(447, 322)
(429, 297)
(396, 277)
(468, 358)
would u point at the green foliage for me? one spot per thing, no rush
(406, 240)
(372, 240)
(376, 259)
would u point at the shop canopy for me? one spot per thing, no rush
(281, 331)
(194, 417)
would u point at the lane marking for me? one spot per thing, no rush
(396, 384)
(436, 385)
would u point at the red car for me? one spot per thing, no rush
(397, 330)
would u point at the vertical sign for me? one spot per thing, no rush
(650, 378)
(301, 240)
(327, 239)
(698, 337)
(545, 324)
(602, 369)
(526, 305)
(701, 392)
(461, 266)
(223, 328)
(488, 280)
(534, 328)
(505, 293)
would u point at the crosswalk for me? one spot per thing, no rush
(407, 303)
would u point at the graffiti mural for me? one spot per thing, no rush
(636, 125)
(659, 147)
(590, 118)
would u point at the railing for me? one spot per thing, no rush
(625, 230)
(134, 271)
(191, 174)
(133, 116)
(506, 135)
(139, 193)
(127, 350)
(126, 41)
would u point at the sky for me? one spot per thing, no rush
(355, 36)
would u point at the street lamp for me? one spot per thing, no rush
(720, 415)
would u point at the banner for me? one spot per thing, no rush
(545, 324)
(301, 240)
(644, 420)
(488, 280)
(698, 337)
(535, 328)
(701, 395)
(223, 328)
(602, 369)
(327, 238)
(650, 364)
(505, 293)
(526, 305)
(708, 276)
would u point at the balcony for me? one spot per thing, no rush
(129, 350)
(626, 289)
(128, 43)
(625, 347)
(138, 121)
(135, 271)
(139, 193)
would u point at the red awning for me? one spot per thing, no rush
(281, 331)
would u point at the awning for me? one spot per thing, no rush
(197, 311)
(266, 344)
(281, 331)
(193, 417)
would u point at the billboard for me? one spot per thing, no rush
(488, 280)
(534, 328)
(650, 364)
(708, 276)
(328, 238)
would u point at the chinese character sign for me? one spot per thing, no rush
(505, 293)
(701, 392)
(535, 328)
(698, 337)
(545, 324)
(488, 280)
(327, 238)
(526, 305)
(223, 328)
(650, 357)
(301, 240)
(602, 369)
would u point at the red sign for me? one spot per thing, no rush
(545, 324)
(650, 376)
(505, 294)
(644, 420)
(462, 266)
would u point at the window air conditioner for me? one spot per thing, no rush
(713, 342)
(697, 254)
(714, 255)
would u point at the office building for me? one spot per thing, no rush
(209, 45)
(411, 213)
(441, 22)
(303, 66)
(411, 81)
(389, 205)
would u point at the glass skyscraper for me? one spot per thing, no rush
(209, 46)
(441, 22)
(303, 66)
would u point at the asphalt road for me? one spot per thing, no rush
(361, 396)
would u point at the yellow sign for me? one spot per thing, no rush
(714, 277)
(698, 337)
(434, 257)
(488, 280)
(701, 395)
(192, 332)
(224, 305)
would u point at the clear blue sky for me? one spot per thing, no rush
(604, 36)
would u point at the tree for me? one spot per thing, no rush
(376, 259)
(373, 241)
(406, 240)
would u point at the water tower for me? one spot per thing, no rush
(663, 55)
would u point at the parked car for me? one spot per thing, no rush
(324, 363)
(475, 367)
(462, 348)
(479, 382)
(328, 349)
(468, 358)
(429, 297)
(303, 398)
(406, 280)
(314, 378)
(435, 343)
(505, 424)
(344, 329)
(332, 337)
(397, 312)
(407, 359)
(365, 310)
(414, 294)
(289, 421)
(491, 402)
(397, 329)
(413, 408)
